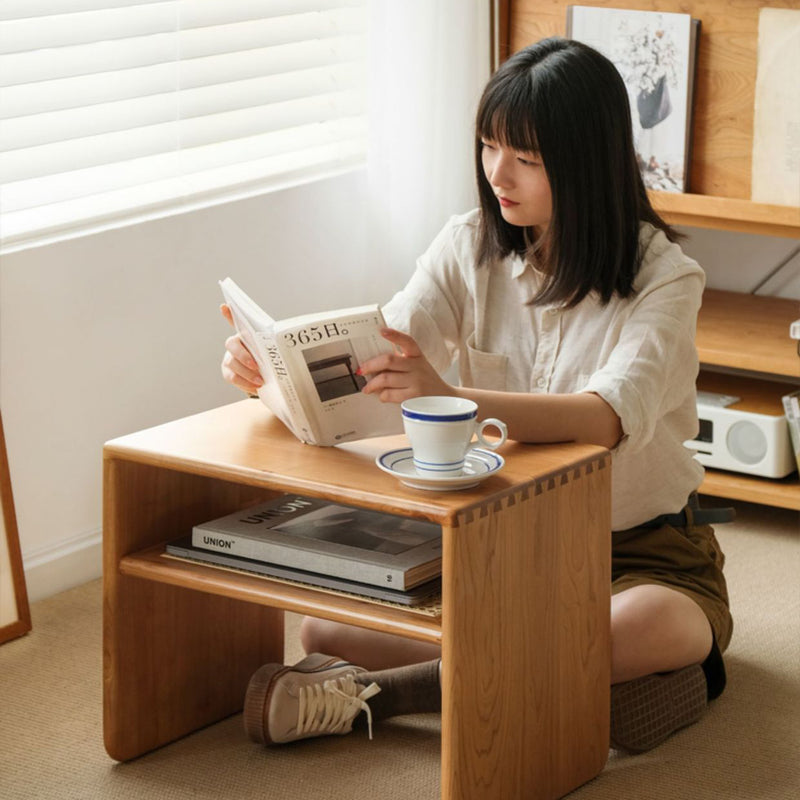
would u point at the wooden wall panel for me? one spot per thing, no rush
(725, 80)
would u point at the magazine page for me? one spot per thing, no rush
(323, 354)
(654, 53)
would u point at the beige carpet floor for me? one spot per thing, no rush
(747, 746)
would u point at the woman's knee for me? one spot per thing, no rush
(654, 629)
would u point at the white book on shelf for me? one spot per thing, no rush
(791, 405)
(776, 118)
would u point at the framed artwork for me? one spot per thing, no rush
(15, 615)
(655, 53)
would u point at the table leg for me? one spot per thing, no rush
(525, 640)
(174, 660)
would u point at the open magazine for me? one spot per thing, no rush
(310, 369)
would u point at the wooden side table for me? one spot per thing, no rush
(524, 627)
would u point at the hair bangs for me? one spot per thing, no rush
(507, 117)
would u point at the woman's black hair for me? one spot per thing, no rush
(567, 102)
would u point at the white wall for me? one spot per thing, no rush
(110, 333)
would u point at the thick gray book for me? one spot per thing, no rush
(325, 538)
(419, 595)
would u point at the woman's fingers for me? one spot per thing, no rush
(234, 372)
(239, 367)
(237, 348)
(226, 312)
(399, 361)
(406, 343)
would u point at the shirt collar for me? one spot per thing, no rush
(518, 267)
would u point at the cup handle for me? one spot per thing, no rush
(496, 423)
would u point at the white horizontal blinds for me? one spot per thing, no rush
(121, 98)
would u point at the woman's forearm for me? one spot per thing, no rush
(580, 417)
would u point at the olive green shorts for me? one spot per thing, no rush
(687, 559)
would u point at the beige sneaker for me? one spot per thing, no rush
(317, 696)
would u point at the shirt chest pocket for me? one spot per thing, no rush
(483, 370)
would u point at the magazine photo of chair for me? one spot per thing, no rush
(333, 369)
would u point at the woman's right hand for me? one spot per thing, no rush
(238, 365)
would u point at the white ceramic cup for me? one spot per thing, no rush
(440, 430)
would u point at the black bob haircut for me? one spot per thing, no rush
(567, 102)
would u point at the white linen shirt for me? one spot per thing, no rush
(637, 353)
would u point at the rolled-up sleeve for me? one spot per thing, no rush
(653, 366)
(431, 307)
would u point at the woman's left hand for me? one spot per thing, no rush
(404, 374)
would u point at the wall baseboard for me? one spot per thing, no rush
(63, 566)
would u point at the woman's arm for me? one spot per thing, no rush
(579, 417)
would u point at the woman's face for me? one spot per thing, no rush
(519, 182)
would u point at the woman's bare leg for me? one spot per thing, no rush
(372, 650)
(656, 629)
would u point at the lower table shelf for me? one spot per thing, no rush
(150, 564)
(783, 493)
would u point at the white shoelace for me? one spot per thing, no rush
(329, 707)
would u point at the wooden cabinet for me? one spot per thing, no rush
(735, 331)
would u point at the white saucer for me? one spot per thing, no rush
(478, 465)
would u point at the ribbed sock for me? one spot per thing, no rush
(413, 689)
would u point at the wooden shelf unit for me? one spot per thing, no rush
(727, 214)
(735, 331)
(750, 333)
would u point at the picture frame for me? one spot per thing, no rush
(15, 614)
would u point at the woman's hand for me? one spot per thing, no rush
(404, 374)
(238, 366)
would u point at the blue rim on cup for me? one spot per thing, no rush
(424, 409)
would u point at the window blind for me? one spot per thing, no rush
(113, 108)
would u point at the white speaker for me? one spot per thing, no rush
(742, 425)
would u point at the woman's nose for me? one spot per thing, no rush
(500, 174)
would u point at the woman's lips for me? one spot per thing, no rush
(506, 203)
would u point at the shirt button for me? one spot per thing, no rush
(541, 383)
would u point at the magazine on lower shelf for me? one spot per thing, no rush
(419, 595)
(310, 366)
(326, 538)
(655, 52)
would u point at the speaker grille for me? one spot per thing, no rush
(746, 442)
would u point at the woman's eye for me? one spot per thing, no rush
(529, 162)
(487, 145)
